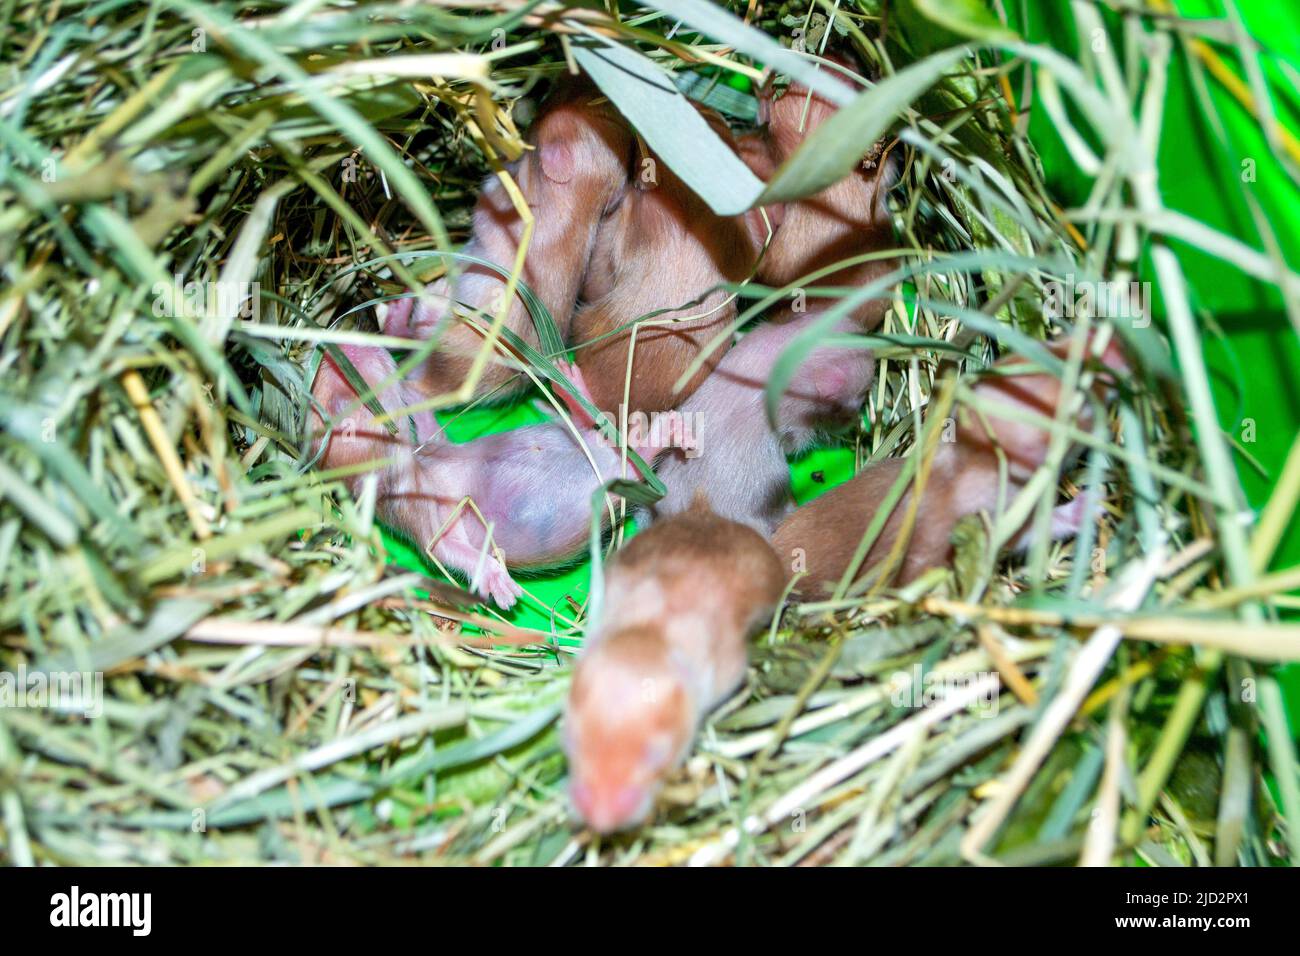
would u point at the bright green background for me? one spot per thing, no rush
(1255, 363)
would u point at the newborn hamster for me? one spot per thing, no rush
(572, 177)
(681, 600)
(356, 437)
(964, 479)
(848, 218)
(736, 457)
(532, 485)
(662, 250)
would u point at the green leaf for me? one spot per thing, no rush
(472, 750)
(970, 541)
(170, 619)
(969, 18)
(799, 348)
(714, 93)
(837, 146)
(326, 791)
(646, 95)
(636, 492)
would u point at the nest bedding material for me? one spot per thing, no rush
(274, 689)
